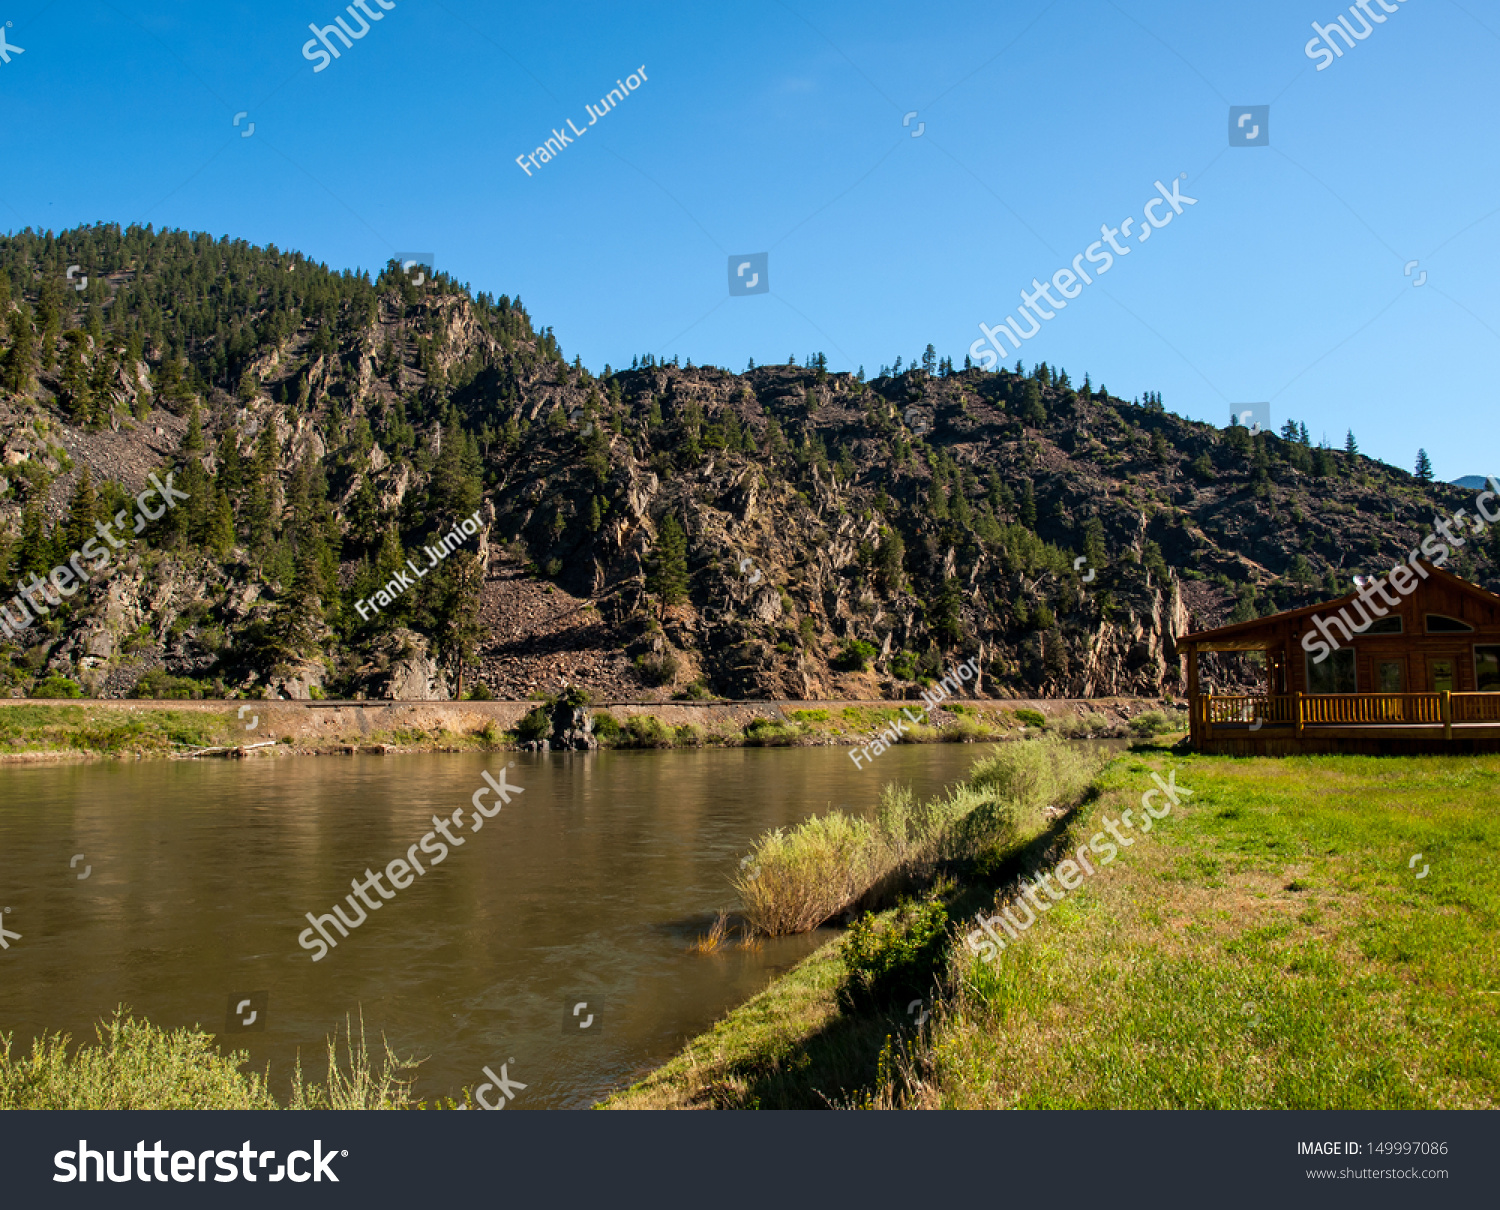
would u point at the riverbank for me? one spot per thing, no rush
(32, 730)
(1305, 933)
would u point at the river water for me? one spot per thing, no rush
(586, 890)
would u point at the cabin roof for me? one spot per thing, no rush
(1239, 634)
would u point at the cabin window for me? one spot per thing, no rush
(1335, 674)
(1385, 626)
(1487, 669)
(1438, 624)
(1392, 675)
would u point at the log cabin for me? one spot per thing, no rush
(1402, 664)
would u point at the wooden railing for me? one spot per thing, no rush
(1360, 708)
(1250, 709)
(1301, 710)
(1476, 707)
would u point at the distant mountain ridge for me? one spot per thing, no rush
(1472, 482)
(785, 532)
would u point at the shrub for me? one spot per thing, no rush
(904, 666)
(770, 732)
(1085, 727)
(689, 735)
(535, 726)
(697, 692)
(966, 730)
(1152, 722)
(159, 683)
(1032, 718)
(797, 879)
(657, 670)
(481, 693)
(648, 731)
(56, 686)
(137, 1065)
(606, 726)
(894, 959)
(855, 656)
(1036, 772)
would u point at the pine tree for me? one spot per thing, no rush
(947, 624)
(1028, 505)
(455, 614)
(890, 561)
(192, 441)
(667, 575)
(1424, 467)
(1031, 409)
(77, 398)
(220, 538)
(929, 360)
(83, 510)
(1351, 446)
(35, 553)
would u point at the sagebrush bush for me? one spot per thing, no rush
(795, 880)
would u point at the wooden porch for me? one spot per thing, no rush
(1346, 722)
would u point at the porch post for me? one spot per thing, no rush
(1195, 731)
(1447, 714)
(1299, 714)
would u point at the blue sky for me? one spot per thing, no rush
(778, 128)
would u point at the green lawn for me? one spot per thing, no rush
(1268, 946)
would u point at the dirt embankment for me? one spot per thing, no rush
(78, 729)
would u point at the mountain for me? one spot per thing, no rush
(782, 532)
(1473, 482)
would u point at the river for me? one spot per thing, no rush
(178, 886)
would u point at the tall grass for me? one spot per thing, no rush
(797, 879)
(137, 1065)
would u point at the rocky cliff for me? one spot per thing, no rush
(785, 532)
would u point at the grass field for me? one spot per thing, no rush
(1268, 945)
(1271, 946)
(107, 732)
